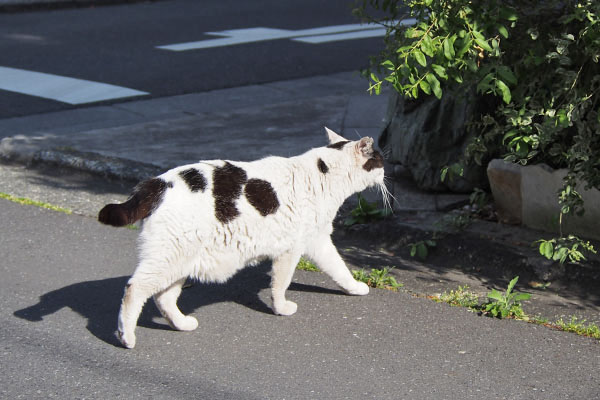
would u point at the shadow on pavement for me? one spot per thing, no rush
(99, 301)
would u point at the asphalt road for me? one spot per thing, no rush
(118, 45)
(63, 277)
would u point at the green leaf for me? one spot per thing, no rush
(481, 41)
(443, 174)
(464, 46)
(422, 251)
(503, 88)
(512, 284)
(427, 46)
(420, 57)
(521, 296)
(503, 31)
(496, 295)
(485, 84)
(388, 64)
(509, 14)
(448, 46)
(440, 71)
(435, 85)
(425, 87)
(506, 74)
(546, 249)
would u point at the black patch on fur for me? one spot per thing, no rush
(227, 187)
(322, 166)
(194, 179)
(376, 161)
(146, 198)
(262, 196)
(338, 145)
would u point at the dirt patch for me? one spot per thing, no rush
(483, 256)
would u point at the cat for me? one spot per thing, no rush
(210, 219)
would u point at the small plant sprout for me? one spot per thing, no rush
(421, 248)
(579, 327)
(366, 212)
(306, 265)
(460, 297)
(377, 278)
(507, 304)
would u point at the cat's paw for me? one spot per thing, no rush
(127, 340)
(187, 323)
(287, 308)
(359, 289)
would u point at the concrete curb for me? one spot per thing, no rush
(14, 6)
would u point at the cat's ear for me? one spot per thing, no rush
(334, 137)
(364, 147)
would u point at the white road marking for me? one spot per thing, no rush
(313, 35)
(61, 88)
(378, 31)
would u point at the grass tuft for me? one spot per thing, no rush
(29, 202)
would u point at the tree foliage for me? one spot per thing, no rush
(536, 63)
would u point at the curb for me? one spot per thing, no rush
(94, 163)
(46, 5)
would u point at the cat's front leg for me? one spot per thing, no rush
(283, 270)
(327, 258)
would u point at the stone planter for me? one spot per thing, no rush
(528, 195)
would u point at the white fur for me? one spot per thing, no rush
(183, 238)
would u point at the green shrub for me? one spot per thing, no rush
(533, 64)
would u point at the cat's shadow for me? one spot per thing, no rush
(99, 301)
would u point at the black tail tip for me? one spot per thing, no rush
(114, 215)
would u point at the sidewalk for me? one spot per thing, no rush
(134, 140)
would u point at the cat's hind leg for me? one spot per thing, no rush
(327, 258)
(136, 294)
(283, 270)
(166, 301)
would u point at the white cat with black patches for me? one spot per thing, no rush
(210, 219)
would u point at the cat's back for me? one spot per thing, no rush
(224, 191)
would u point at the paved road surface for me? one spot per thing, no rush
(63, 276)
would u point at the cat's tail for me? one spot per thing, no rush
(145, 198)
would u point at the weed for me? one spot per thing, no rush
(507, 304)
(460, 297)
(559, 249)
(421, 248)
(29, 202)
(456, 220)
(307, 265)
(479, 198)
(377, 278)
(579, 327)
(366, 212)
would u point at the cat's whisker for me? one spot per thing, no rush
(387, 195)
(358, 134)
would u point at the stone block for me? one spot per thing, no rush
(505, 183)
(528, 195)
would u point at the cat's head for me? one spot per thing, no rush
(366, 163)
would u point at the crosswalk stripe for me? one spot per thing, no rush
(259, 34)
(61, 88)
